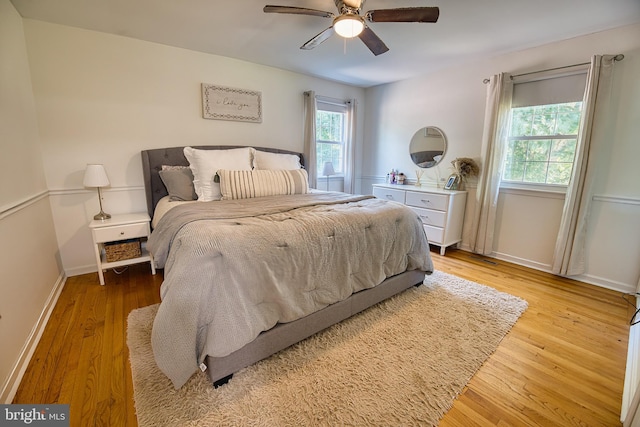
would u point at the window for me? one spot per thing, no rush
(542, 143)
(330, 135)
(543, 129)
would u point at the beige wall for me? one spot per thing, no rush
(104, 98)
(454, 100)
(31, 276)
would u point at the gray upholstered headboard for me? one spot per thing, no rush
(152, 161)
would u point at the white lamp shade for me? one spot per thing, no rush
(328, 169)
(95, 176)
(348, 26)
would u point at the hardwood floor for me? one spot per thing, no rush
(82, 358)
(562, 363)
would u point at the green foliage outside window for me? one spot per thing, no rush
(329, 140)
(542, 143)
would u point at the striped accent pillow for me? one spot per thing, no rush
(246, 184)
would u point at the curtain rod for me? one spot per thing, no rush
(618, 57)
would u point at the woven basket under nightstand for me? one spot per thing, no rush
(125, 249)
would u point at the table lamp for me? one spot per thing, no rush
(96, 176)
(328, 171)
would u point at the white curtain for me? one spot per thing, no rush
(310, 109)
(496, 129)
(569, 256)
(349, 149)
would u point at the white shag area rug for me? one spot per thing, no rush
(401, 362)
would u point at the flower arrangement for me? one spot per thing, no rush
(465, 167)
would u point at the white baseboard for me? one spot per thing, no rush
(10, 387)
(606, 283)
(586, 278)
(77, 271)
(523, 261)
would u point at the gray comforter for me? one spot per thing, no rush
(233, 269)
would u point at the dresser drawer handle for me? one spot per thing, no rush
(122, 233)
(389, 196)
(425, 201)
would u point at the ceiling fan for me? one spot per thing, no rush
(349, 23)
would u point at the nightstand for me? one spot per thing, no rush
(118, 228)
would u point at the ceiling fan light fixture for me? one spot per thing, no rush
(348, 26)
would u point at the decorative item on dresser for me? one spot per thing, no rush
(118, 241)
(453, 182)
(465, 167)
(419, 173)
(442, 212)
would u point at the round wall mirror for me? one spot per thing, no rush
(428, 146)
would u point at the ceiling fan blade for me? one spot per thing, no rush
(297, 11)
(318, 39)
(373, 42)
(404, 14)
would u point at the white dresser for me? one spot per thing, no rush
(441, 211)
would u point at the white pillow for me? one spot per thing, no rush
(274, 161)
(205, 164)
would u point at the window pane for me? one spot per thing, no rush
(329, 140)
(544, 110)
(538, 151)
(544, 124)
(329, 153)
(559, 173)
(570, 107)
(514, 171)
(329, 126)
(519, 151)
(521, 122)
(563, 150)
(535, 172)
(549, 155)
(568, 123)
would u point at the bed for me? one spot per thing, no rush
(247, 276)
(426, 159)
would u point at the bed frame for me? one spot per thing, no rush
(221, 369)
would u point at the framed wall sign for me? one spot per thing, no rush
(453, 182)
(228, 103)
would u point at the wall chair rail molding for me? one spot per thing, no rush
(71, 191)
(616, 199)
(12, 208)
(228, 103)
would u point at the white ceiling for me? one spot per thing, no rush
(239, 29)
